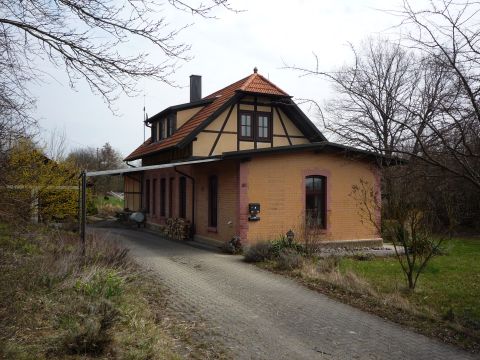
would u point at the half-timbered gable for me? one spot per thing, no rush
(252, 113)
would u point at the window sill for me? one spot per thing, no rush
(212, 230)
(322, 231)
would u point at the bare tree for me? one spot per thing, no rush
(448, 33)
(88, 39)
(56, 146)
(419, 98)
(368, 110)
(104, 158)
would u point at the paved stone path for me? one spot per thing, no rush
(261, 315)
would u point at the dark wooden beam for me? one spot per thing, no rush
(218, 132)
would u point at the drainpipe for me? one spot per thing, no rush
(193, 198)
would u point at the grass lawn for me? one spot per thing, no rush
(450, 284)
(445, 303)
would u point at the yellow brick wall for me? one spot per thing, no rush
(277, 183)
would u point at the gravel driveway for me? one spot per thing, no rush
(260, 315)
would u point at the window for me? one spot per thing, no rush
(147, 196)
(161, 130)
(258, 127)
(263, 127)
(315, 201)
(182, 197)
(154, 197)
(170, 197)
(163, 191)
(246, 132)
(172, 124)
(212, 201)
(154, 132)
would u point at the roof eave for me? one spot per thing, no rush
(153, 152)
(317, 147)
(245, 92)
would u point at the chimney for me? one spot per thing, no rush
(195, 88)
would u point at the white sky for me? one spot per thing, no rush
(267, 35)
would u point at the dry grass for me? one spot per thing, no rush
(56, 304)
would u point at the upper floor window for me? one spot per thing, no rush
(171, 124)
(164, 128)
(316, 201)
(258, 128)
(246, 131)
(154, 132)
(263, 126)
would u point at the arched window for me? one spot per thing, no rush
(316, 201)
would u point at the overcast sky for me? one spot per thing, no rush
(267, 34)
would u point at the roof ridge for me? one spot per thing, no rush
(236, 83)
(271, 83)
(249, 81)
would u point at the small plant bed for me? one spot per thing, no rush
(444, 305)
(57, 304)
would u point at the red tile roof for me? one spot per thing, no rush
(254, 83)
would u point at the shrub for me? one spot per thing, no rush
(91, 335)
(233, 246)
(283, 243)
(289, 259)
(103, 283)
(259, 252)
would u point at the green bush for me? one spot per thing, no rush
(283, 243)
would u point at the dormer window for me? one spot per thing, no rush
(164, 128)
(246, 131)
(255, 126)
(263, 127)
(162, 133)
(171, 124)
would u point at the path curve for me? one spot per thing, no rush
(261, 315)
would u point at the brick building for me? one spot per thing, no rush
(247, 161)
